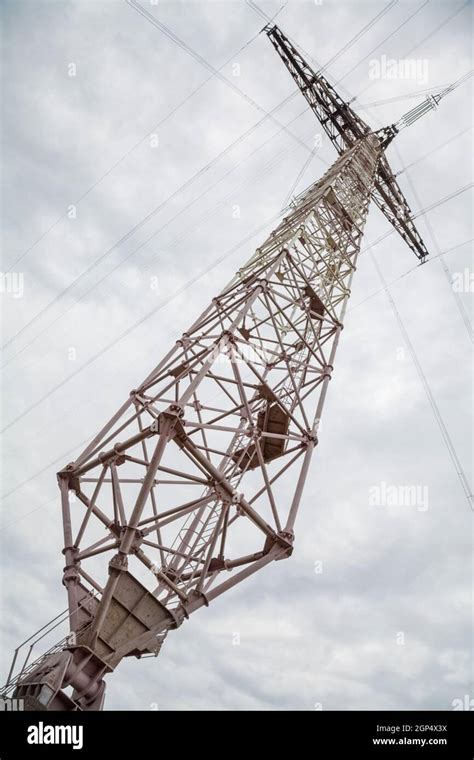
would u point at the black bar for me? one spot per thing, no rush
(316, 734)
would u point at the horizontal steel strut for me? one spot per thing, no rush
(195, 483)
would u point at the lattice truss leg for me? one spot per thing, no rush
(196, 481)
(184, 480)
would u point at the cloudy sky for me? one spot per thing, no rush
(136, 180)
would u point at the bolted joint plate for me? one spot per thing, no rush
(133, 620)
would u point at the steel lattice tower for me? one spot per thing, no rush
(180, 496)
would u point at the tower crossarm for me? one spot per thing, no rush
(343, 127)
(390, 199)
(341, 124)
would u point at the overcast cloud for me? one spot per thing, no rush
(374, 609)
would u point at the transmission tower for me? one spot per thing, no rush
(183, 493)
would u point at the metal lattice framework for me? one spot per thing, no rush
(182, 486)
(195, 482)
(343, 127)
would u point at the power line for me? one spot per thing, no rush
(416, 113)
(160, 229)
(136, 145)
(397, 98)
(427, 105)
(461, 190)
(455, 85)
(27, 514)
(444, 432)
(136, 324)
(424, 211)
(188, 284)
(409, 271)
(456, 296)
(441, 89)
(139, 142)
(446, 438)
(343, 50)
(43, 469)
(180, 290)
(199, 59)
(433, 150)
(97, 282)
(460, 306)
(418, 44)
(146, 219)
(365, 29)
(356, 306)
(173, 246)
(379, 44)
(300, 175)
(214, 73)
(160, 206)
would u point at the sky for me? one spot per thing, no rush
(125, 211)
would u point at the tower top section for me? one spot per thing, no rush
(344, 127)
